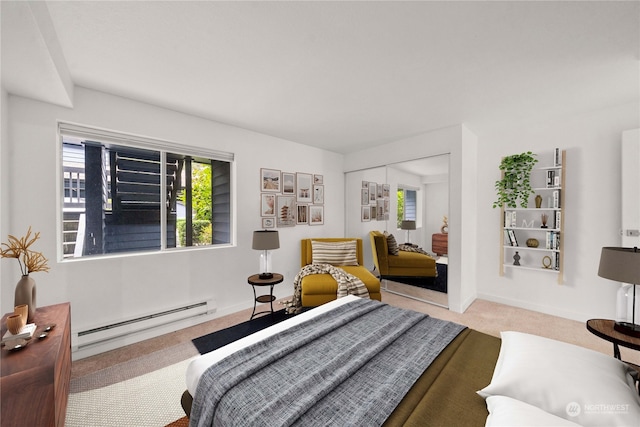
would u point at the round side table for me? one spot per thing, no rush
(254, 281)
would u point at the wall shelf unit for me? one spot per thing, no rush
(519, 227)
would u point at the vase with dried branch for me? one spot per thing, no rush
(544, 218)
(30, 261)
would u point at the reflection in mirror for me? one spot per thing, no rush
(418, 190)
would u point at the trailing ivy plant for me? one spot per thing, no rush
(516, 180)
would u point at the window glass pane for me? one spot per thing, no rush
(111, 198)
(407, 205)
(193, 204)
(400, 216)
(410, 205)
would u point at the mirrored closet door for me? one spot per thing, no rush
(415, 190)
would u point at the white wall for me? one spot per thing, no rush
(4, 174)
(591, 214)
(436, 206)
(105, 290)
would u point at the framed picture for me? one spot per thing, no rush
(366, 213)
(303, 187)
(380, 210)
(318, 194)
(318, 179)
(372, 192)
(268, 204)
(385, 190)
(288, 183)
(316, 214)
(268, 223)
(379, 191)
(270, 180)
(303, 214)
(364, 196)
(285, 211)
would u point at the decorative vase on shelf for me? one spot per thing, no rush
(538, 201)
(26, 294)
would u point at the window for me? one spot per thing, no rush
(407, 205)
(129, 194)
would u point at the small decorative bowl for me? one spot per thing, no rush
(532, 243)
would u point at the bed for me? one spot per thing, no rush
(469, 379)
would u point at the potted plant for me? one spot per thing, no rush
(515, 184)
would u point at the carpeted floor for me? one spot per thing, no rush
(144, 381)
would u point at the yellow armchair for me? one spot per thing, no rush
(405, 264)
(318, 289)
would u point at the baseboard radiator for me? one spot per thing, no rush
(118, 330)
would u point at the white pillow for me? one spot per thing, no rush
(334, 253)
(507, 412)
(575, 383)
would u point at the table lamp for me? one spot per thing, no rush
(265, 241)
(408, 225)
(622, 265)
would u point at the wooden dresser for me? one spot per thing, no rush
(440, 243)
(35, 380)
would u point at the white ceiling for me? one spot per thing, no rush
(337, 75)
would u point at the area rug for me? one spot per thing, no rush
(214, 340)
(438, 283)
(151, 399)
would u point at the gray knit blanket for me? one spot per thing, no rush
(348, 284)
(350, 366)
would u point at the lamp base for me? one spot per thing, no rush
(627, 328)
(265, 276)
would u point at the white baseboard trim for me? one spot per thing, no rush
(553, 311)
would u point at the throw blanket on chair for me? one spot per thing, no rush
(410, 248)
(348, 284)
(350, 366)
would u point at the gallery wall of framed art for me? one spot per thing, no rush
(374, 201)
(288, 199)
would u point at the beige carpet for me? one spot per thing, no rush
(144, 389)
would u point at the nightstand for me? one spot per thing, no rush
(603, 328)
(254, 281)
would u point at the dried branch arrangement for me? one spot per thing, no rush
(30, 261)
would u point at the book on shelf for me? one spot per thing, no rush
(509, 219)
(512, 238)
(25, 333)
(556, 266)
(556, 199)
(558, 220)
(552, 240)
(550, 178)
(557, 157)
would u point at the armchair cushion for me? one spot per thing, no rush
(334, 253)
(392, 244)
